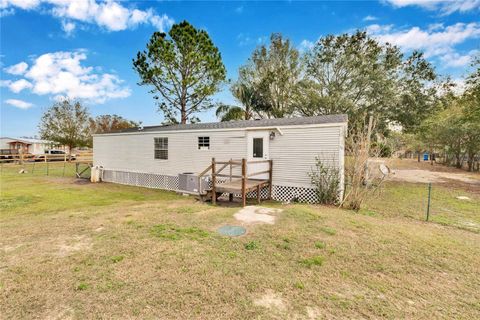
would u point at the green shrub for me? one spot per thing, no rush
(326, 180)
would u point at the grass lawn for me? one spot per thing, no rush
(71, 250)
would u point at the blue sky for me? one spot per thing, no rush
(84, 49)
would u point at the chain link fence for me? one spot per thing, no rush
(54, 169)
(447, 204)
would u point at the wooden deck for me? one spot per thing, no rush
(235, 186)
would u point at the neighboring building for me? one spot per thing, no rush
(154, 156)
(395, 127)
(25, 145)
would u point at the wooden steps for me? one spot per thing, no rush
(235, 184)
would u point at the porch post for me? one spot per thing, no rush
(244, 177)
(270, 178)
(214, 193)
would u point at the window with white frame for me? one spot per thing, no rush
(161, 148)
(203, 143)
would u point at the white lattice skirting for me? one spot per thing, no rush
(167, 182)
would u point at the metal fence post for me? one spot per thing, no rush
(428, 203)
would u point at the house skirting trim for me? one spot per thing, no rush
(168, 182)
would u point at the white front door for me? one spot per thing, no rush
(258, 149)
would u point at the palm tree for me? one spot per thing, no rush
(246, 96)
(226, 112)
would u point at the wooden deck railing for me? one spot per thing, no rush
(217, 167)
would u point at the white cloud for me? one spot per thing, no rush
(305, 45)
(113, 16)
(162, 22)
(435, 26)
(68, 27)
(445, 7)
(62, 74)
(22, 4)
(19, 103)
(379, 29)
(456, 60)
(110, 15)
(436, 41)
(370, 18)
(16, 86)
(17, 69)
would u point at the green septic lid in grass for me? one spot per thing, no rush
(232, 231)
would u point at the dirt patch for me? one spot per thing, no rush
(424, 176)
(81, 181)
(255, 214)
(77, 243)
(272, 301)
(313, 313)
(421, 172)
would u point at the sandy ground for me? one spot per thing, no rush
(256, 214)
(424, 176)
(422, 172)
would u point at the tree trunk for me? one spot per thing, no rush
(183, 103)
(458, 163)
(183, 113)
(247, 113)
(470, 160)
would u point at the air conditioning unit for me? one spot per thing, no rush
(188, 181)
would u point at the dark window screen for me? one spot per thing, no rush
(258, 147)
(203, 143)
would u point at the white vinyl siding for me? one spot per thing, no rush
(134, 152)
(293, 152)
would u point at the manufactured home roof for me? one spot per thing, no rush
(336, 118)
(27, 140)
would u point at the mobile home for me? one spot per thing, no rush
(25, 145)
(155, 156)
